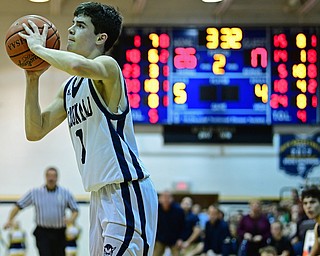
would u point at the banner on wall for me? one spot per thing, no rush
(298, 154)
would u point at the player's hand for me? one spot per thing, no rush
(179, 243)
(33, 36)
(257, 238)
(247, 236)
(8, 224)
(35, 74)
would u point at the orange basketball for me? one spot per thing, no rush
(17, 47)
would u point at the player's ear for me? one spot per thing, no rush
(101, 38)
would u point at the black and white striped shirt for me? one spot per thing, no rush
(50, 206)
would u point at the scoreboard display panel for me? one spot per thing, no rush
(221, 75)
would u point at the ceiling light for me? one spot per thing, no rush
(39, 1)
(211, 1)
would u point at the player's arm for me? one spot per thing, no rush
(38, 123)
(12, 215)
(315, 248)
(99, 68)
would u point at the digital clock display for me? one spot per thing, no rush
(221, 75)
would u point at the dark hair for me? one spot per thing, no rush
(52, 169)
(105, 19)
(313, 192)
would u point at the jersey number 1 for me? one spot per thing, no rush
(79, 133)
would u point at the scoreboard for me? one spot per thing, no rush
(221, 75)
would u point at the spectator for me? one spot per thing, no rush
(72, 235)
(254, 229)
(192, 231)
(217, 233)
(268, 251)
(202, 215)
(279, 241)
(170, 225)
(50, 202)
(17, 240)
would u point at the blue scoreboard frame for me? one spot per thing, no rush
(221, 75)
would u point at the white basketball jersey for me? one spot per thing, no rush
(104, 142)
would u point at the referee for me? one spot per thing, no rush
(50, 202)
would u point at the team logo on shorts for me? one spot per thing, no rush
(108, 250)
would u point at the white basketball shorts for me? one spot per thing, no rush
(123, 219)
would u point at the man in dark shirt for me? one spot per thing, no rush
(192, 231)
(170, 225)
(216, 233)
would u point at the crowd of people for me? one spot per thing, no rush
(184, 228)
(268, 228)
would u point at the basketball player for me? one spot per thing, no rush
(123, 205)
(310, 198)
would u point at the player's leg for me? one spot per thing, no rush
(145, 190)
(95, 233)
(129, 219)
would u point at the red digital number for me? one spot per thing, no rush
(165, 100)
(277, 100)
(314, 41)
(302, 115)
(282, 71)
(312, 86)
(165, 70)
(312, 56)
(153, 116)
(133, 56)
(137, 41)
(280, 86)
(165, 85)
(280, 55)
(312, 71)
(185, 58)
(164, 56)
(262, 52)
(133, 85)
(131, 70)
(134, 100)
(164, 40)
(314, 101)
(280, 41)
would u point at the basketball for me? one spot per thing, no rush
(17, 47)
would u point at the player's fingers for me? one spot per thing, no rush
(27, 29)
(33, 26)
(45, 30)
(24, 36)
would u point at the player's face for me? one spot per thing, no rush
(81, 37)
(311, 207)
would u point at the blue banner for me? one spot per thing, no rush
(298, 154)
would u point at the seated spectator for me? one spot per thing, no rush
(17, 240)
(192, 231)
(202, 215)
(170, 225)
(268, 251)
(254, 229)
(279, 241)
(217, 234)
